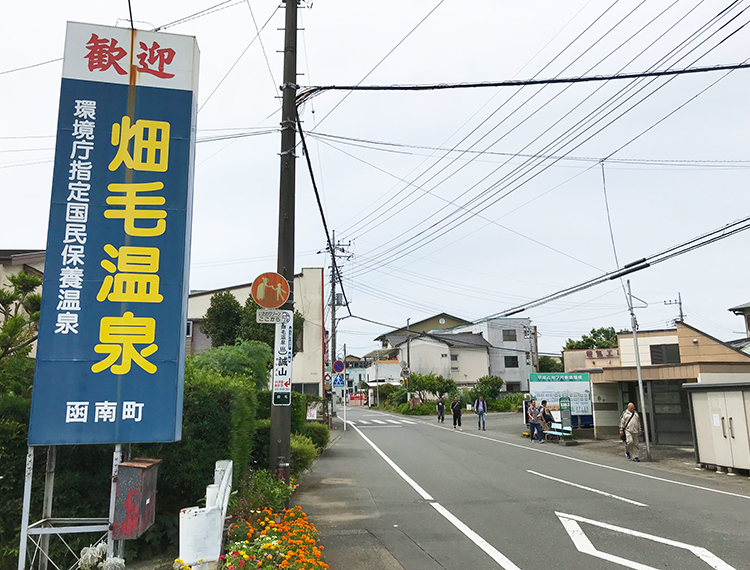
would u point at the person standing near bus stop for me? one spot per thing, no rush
(630, 430)
(456, 411)
(534, 423)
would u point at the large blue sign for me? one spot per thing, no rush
(111, 351)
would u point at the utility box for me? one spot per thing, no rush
(135, 503)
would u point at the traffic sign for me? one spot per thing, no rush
(338, 366)
(270, 290)
(338, 382)
(270, 316)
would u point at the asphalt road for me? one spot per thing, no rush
(427, 497)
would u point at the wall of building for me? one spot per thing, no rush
(724, 377)
(384, 371)
(427, 355)
(645, 341)
(524, 347)
(471, 364)
(698, 347)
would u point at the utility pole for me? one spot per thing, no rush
(679, 303)
(408, 359)
(346, 387)
(333, 297)
(281, 416)
(641, 394)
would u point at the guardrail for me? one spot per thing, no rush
(202, 528)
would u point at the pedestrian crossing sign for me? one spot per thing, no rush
(338, 381)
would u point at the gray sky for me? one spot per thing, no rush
(478, 267)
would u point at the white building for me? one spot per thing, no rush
(513, 350)
(307, 366)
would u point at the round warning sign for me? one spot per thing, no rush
(270, 290)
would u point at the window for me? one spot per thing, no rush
(511, 361)
(189, 329)
(443, 356)
(665, 354)
(509, 335)
(454, 357)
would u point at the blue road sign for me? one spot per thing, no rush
(111, 354)
(338, 381)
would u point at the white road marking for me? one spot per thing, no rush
(379, 421)
(364, 422)
(584, 461)
(407, 422)
(351, 423)
(422, 493)
(588, 489)
(583, 544)
(490, 550)
(392, 421)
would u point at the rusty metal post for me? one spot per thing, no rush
(49, 490)
(116, 460)
(26, 508)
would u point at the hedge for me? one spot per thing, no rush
(302, 453)
(318, 433)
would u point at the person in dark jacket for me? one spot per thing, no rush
(441, 411)
(456, 411)
(480, 407)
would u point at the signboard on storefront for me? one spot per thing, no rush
(111, 351)
(552, 387)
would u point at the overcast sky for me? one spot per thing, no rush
(393, 189)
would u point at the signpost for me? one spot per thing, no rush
(111, 351)
(270, 290)
(565, 413)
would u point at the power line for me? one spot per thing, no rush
(377, 64)
(257, 35)
(206, 12)
(322, 214)
(308, 92)
(262, 47)
(449, 226)
(29, 66)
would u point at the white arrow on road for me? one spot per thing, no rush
(583, 544)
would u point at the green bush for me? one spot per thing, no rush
(258, 489)
(425, 409)
(218, 422)
(248, 359)
(302, 453)
(514, 401)
(396, 397)
(318, 433)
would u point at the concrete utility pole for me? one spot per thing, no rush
(281, 416)
(679, 303)
(333, 297)
(408, 359)
(641, 394)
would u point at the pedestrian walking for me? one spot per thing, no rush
(533, 415)
(441, 411)
(456, 411)
(480, 407)
(630, 430)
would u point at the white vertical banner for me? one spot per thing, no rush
(282, 361)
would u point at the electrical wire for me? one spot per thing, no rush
(262, 47)
(216, 8)
(459, 222)
(29, 67)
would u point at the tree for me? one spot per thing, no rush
(431, 383)
(550, 364)
(19, 314)
(250, 360)
(599, 338)
(489, 387)
(222, 321)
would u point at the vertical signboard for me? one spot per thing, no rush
(282, 366)
(553, 387)
(111, 351)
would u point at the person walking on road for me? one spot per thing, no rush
(480, 407)
(456, 411)
(534, 424)
(441, 411)
(630, 430)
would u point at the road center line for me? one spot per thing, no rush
(490, 550)
(585, 462)
(588, 489)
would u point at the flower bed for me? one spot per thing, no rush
(270, 540)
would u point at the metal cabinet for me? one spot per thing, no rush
(721, 420)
